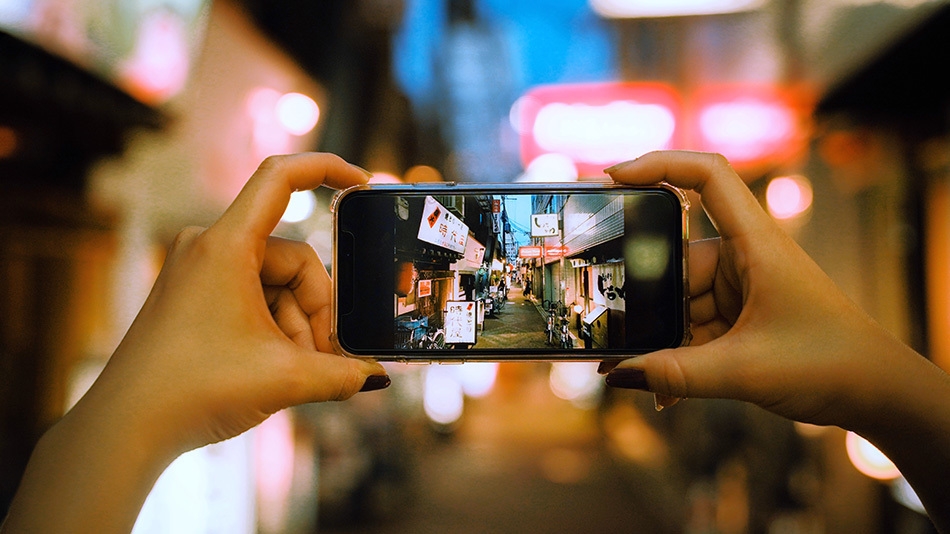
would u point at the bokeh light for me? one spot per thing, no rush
(788, 197)
(300, 207)
(577, 382)
(550, 168)
(867, 459)
(443, 399)
(298, 113)
(477, 378)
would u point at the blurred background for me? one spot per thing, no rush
(121, 122)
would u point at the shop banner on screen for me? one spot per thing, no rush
(441, 228)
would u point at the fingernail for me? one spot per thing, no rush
(605, 366)
(617, 167)
(362, 170)
(374, 382)
(627, 378)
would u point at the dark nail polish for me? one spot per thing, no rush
(374, 382)
(605, 366)
(627, 378)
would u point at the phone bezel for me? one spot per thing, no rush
(452, 188)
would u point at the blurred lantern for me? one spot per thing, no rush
(405, 278)
(750, 124)
(595, 125)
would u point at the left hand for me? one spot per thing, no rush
(237, 324)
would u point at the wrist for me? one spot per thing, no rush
(99, 448)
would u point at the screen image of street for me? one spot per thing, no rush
(512, 271)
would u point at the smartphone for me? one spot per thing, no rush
(455, 272)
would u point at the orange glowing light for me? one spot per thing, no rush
(422, 173)
(9, 141)
(577, 382)
(867, 459)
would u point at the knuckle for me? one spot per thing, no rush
(350, 382)
(272, 163)
(185, 239)
(673, 379)
(186, 235)
(719, 161)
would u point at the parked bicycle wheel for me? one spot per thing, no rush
(437, 340)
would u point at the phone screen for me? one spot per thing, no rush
(463, 272)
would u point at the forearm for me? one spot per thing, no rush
(911, 425)
(88, 473)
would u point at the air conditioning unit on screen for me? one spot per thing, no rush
(455, 204)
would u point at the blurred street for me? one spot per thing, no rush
(521, 461)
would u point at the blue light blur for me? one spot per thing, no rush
(558, 41)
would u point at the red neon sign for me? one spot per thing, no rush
(750, 124)
(598, 124)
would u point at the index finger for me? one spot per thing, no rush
(261, 203)
(726, 198)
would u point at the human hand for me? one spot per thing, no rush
(768, 325)
(237, 325)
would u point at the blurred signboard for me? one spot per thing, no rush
(750, 124)
(596, 125)
(145, 48)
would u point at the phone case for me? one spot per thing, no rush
(450, 189)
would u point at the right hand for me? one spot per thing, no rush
(769, 326)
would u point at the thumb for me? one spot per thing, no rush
(320, 377)
(683, 372)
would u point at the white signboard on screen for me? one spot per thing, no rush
(544, 225)
(439, 227)
(460, 322)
